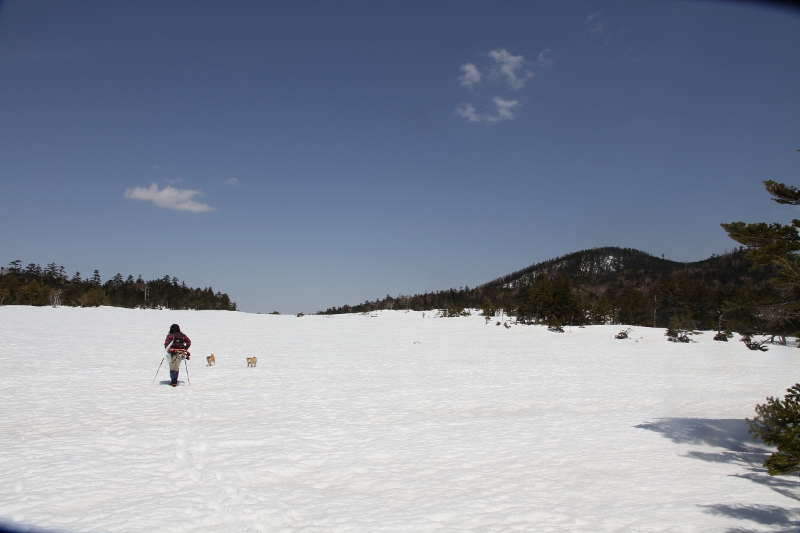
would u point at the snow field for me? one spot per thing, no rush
(388, 423)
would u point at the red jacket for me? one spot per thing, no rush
(179, 341)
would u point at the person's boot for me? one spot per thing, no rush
(173, 374)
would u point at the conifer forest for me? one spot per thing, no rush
(620, 286)
(34, 285)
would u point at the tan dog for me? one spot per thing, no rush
(211, 360)
(251, 361)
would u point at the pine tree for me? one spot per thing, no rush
(777, 423)
(51, 271)
(542, 298)
(33, 270)
(773, 243)
(564, 305)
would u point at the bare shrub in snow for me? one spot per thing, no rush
(754, 344)
(623, 334)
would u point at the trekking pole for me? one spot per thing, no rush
(159, 370)
(186, 366)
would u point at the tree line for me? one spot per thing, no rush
(34, 285)
(753, 290)
(620, 286)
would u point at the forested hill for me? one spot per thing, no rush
(603, 266)
(33, 285)
(614, 285)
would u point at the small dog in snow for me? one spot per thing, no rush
(211, 360)
(251, 361)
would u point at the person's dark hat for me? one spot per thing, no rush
(174, 328)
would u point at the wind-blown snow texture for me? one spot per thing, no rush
(388, 423)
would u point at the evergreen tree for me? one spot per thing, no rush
(33, 270)
(50, 286)
(35, 294)
(773, 243)
(542, 298)
(51, 271)
(94, 297)
(777, 424)
(564, 305)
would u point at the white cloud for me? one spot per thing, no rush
(468, 112)
(494, 84)
(471, 75)
(594, 24)
(233, 182)
(504, 110)
(511, 67)
(169, 197)
(545, 59)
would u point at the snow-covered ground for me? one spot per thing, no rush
(388, 423)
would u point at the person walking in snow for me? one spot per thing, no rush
(177, 345)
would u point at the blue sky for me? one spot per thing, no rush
(301, 155)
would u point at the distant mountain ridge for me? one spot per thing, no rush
(609, 285)
(610, 263)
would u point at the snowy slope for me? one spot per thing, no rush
(388, 423)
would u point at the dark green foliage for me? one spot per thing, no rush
(770, 310)
(554, 324)
(679, 330)
(777, 423)
(619, 286)
(452, 311)
(94, 297)
(723, 336)
(51, 286)
(34, 293)
(773, 243)
(783, 194)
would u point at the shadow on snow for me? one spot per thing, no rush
(734, 445)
